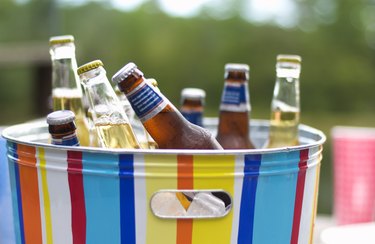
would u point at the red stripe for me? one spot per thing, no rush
(184, 182)
(30, 194)
(77, 196)
(304, 156)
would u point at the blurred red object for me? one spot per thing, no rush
(354, 174)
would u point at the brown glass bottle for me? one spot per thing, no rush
(161, 119)
(233, 129)
(62, 128)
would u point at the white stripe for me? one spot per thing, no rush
(140, 198)
(308, 198)
(58, 186)
(41, 198)
(236, 199)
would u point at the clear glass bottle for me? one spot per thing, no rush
(161, 119)
(125, 104)
(285, 105)
(66, 89)
(234, 129)
(192, 105)
(62, 128)
(112, 124)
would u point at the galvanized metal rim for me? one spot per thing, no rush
(254, 122)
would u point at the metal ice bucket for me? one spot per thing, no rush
(93, 195)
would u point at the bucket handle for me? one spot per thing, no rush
(191, 204)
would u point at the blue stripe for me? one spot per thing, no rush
(102, 200)
(127, 199)
(6, 222)
(274, 205)
(249, 186)
(16, 193)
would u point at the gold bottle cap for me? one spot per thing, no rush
(89, 66)
(153, 82)
(289, 58)
(236, 67)
(126, 71)
(61, 39)
(60, 117)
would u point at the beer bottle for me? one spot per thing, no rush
(192, 102)
(99, 111)
(62, 128)
(151, 144)
(66, 89)
(285, 105)
(233, 130)
(112, 124)
(144, 138)
(161, 119)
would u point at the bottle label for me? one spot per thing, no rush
(194, 117)
(70, 140)
(146, 101)
(235, 97)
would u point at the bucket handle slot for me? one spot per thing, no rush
(190, 204)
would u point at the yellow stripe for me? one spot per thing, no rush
(314, 208)
(207, 173)
(47, 206)
(161, 174)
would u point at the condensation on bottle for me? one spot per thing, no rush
(234, 129)
(192, 105)
(159, 116)
(285, 105)
(66, 89)
(109, 118)
(62, 128)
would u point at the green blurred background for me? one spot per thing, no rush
(182, 45)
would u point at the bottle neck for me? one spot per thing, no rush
(145, 99)
(67, 140)
(192, 104)
(64, 134)
(64, 67)
(103, 101)
(235, 96)
(286, 97)
(192, 110)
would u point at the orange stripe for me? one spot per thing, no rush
(30, 194)
(184, 182)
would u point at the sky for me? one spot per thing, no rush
(281, 12)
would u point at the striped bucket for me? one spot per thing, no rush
(93, 195)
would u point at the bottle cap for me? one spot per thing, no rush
(61, 39)
(193, 93)
(60, 117)
(89, 66)
(289, 58)
(125, 71)
(237, 67)
(153, 82)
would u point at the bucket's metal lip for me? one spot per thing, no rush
(254, 122)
